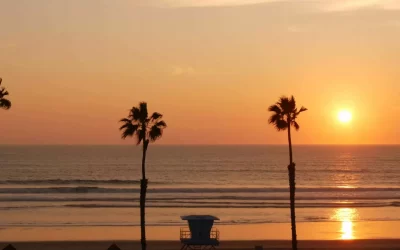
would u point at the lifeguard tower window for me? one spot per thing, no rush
(200, 233)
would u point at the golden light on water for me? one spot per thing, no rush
(346, 216)
(347, 230)
(346, 186)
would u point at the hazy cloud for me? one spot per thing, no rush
(348, 5)
(395, 23)
(323, 5)
(8, 46)
(202, 3)
(179, 70)
(295, 29)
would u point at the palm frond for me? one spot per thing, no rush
(280, 124)
(275, 108)
(143, 111)
(125, 126)
(296, 125)
(3, 92)
(135, 114)
(156, 116)
(284, 104)
(129, 130)
(5, 104)
(274, 118)
(140, 135)
(161, 124)
(292, 104)
(144, 128)
(155, 133)
(302, 109)
(285, 111)
(126, 120)
(294, 114)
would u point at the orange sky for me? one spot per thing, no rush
(74, 68)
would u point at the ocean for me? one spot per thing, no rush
(99, 185)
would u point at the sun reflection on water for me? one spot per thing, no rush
(346, 216)
(347, 230)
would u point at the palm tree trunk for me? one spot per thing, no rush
(292, 190)
(290, 143)
(143, 190)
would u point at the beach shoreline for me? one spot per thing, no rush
(370, 244)
(241, 232)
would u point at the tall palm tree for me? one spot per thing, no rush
(145, 129)
(284, 116)
(4, 103)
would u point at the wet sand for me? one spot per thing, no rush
(245, 232)
(311, 235)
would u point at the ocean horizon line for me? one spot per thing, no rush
(196, 145)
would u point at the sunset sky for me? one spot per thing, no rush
(212, 67)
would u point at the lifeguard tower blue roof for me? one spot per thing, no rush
(199, 217)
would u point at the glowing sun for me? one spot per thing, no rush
(344, 116)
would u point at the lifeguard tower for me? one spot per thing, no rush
(200, 234)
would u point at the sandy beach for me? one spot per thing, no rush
(322, 235)
(237, 245)
(314, 231)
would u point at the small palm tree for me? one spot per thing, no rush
(4, 103)
(284, 116)
(145, 129)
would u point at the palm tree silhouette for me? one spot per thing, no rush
(4, 103)
(145, 129)
(284, 116)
